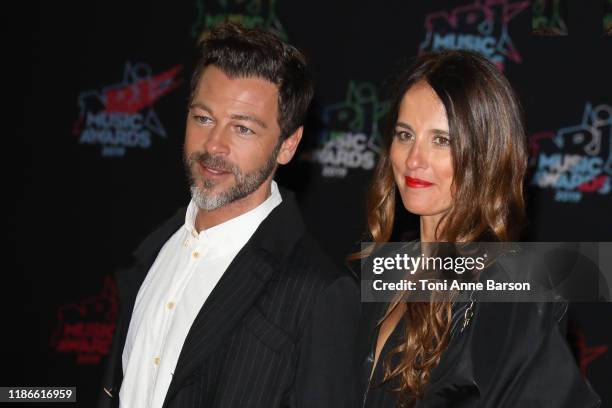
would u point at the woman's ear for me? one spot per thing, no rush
(289, 146)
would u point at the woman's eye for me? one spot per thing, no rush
(402, 135)
(243, 130)
(442, 141)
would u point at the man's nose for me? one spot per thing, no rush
(216, 141)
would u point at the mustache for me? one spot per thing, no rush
(213, 162)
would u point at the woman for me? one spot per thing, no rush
(456, 157)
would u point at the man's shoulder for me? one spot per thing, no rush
(310, 263)
(311, 286)
(159, 234)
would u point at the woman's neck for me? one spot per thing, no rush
(429, 223)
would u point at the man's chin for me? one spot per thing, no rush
(214, 192)
(205, 200)
(216, 185)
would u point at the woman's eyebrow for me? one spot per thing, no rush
(405, 126)
(439, 132)
(433, 131)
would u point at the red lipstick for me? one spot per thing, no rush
(417, 183)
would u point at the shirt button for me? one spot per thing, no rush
(156, 360)
(170, 305)
(195, 254)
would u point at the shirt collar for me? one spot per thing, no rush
(232, 234)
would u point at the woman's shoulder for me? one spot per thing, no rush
(555, 272)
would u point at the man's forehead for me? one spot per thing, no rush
(252, 93)
(219, 73)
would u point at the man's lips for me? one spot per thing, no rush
(210, 171)
(417, 183)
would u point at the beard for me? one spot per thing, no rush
(244, 183)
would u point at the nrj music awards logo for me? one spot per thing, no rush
(481, 26)
(575, 160)
(121, 116)
(350, 138)
(249, 13)
(86, 329)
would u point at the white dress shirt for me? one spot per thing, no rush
(180, 280)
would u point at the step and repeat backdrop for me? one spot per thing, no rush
(104, 121)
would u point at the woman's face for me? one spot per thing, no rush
(421, 154)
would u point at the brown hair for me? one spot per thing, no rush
(253, 52)
(489, 156)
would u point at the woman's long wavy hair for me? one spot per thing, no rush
(489, 157)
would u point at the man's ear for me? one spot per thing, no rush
(289, 146)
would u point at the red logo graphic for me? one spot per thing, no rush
(86, 328)
(121, 116)
(142, 93)
(586, 354)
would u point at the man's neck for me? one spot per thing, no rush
(208, 219)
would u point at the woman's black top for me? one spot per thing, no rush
(508, 355)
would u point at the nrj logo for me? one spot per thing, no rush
(86, 329)
(481, 26)
(351, 137)
(547, 14)
(575, 160)
(121, 115)
(249, 13)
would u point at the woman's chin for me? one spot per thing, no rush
(423, 209)
(417, 207)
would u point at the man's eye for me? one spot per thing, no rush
(243, 130)
(202, 119)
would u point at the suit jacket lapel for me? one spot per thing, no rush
(239, 287)
(129, 281)
(237, 290)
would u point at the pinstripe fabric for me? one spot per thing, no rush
(278, 330)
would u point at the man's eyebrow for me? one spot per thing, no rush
(201, 105)
(238, 116)
(249, 118)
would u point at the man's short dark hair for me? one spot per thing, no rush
(252, 52)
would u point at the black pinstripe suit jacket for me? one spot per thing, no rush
(278, 330)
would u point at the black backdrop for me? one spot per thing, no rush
(100, 123)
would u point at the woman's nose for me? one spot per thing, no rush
(417, 156)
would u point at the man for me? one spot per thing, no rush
(230, 303)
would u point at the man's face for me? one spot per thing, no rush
(232, 138)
